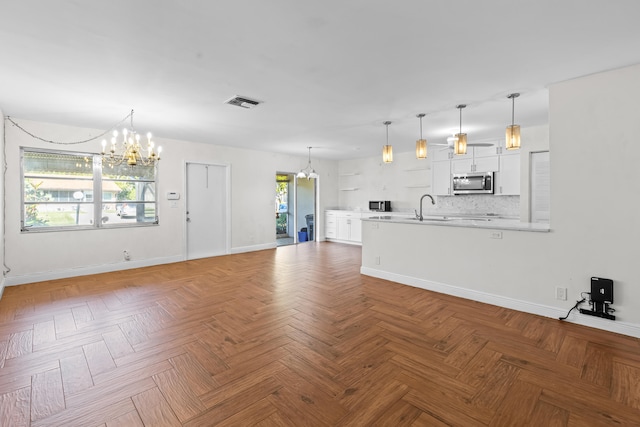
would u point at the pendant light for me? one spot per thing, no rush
(460, 144)
(387, 150)
(421, 144)
(513, 131)
(308, 172)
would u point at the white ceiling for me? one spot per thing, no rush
(329, 71)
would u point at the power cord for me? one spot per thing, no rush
(573, 308)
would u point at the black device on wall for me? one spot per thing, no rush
(601, 297)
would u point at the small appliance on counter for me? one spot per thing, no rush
(380, 205)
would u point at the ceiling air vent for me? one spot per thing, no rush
(242, 101)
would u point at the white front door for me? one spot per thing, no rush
(207, 213)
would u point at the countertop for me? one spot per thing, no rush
(469, 221)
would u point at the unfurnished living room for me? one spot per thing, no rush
(281, 213)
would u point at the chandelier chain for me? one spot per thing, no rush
(130, 115)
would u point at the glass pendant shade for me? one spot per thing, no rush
(308, 172)
(460, 144)
(387, 150)
(387, 153)
(421, 149)
(512, 137)
(421, 144)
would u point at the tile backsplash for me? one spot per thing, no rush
(476, 204)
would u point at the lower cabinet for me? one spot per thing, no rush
(343, 226)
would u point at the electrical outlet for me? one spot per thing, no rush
(495, 234)
(377, 260)
(126, 255)
(561, 293)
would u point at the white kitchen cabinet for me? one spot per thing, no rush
(507, 180)
(441, 178)
(437, 153)
(477, 159)
(343, 226)
(461, 165)
(330, 225)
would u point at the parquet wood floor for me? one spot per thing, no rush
(295, 336)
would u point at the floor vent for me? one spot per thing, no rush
(242, 101)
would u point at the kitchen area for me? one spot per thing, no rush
(474, 239)
(542, 243)
(370, 190)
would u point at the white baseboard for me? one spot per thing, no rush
(348, 242)
(106, 268)
(253, 248)
(623, 328)
(84, 271)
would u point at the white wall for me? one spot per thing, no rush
(42, 256)
(594, 130)
(595, 226)
(2, 201)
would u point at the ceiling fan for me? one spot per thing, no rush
(452, 139)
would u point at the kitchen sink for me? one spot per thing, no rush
(428, 219)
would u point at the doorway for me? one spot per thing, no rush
(306, 209)
(285, 218)
(207, 210)
(295, 206)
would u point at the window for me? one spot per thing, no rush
(64, 191)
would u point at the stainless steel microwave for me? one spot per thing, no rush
(473, 183)
(380, 205)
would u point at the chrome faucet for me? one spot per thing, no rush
(433, 202)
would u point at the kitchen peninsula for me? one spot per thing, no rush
(478, 258)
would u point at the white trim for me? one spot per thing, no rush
(253, 248)
(84, 271)
(348, 242)
(624, 328)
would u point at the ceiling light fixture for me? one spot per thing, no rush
(460, 144)
(513, 131)
(308, 172)
(421, 144)
(387, 150)
(130, 151)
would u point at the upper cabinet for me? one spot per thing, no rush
(507, 180)
(477, 159)
(505, 164)
(437, 153)
(441, 178)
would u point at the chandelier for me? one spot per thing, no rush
(308, 172)
(130, 150)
